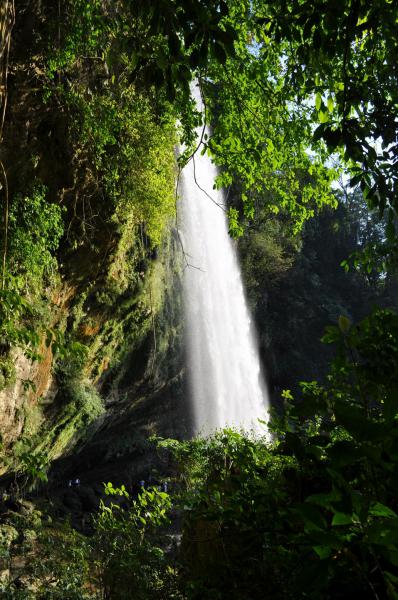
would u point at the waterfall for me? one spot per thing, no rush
(226, 382)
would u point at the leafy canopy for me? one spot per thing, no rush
(286, 84)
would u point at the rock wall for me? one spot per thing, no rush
(105, 314)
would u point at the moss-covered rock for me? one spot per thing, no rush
(91, 174)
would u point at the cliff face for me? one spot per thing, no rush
(90, 324)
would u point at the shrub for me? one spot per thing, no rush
(7, 372)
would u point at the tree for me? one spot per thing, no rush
(345, 54)
(286, 85)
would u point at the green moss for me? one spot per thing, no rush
(82, 405)
(33, 419)
(109, 163)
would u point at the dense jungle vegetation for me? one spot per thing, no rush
(302, 101)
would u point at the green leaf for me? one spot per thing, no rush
(324, 500)
(331, 335)
(323, 116)
(318, 133)
(355, 180)
(342, 519)
(323, 551)
(380, 510)
(344, 323)
(355, 421)
(343, 453)
(312, 517)
(384, 532)
(294, 444)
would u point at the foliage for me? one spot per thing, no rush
(54, 558)
(23, 325)
(160, 43)
(7, 372)
(129, 157)
(259, 146)
(268, 251)
(314, 514)
(63, 560)
(32, 463)
(330, 66)
(129, 564)
(285, 85)
(311, 514)
(35, 229)
(272, 72)
(94, 184)
(344, 54)
(124, 147)
(49, 559)
(231, 540)
(262, 135)
(355, 444)
(304, 270)
(15, 328)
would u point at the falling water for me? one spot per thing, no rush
(226, 382)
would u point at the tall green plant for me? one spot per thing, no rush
(130, 564)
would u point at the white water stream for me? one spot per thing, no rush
(227, 385)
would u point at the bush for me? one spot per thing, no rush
(35, 229)
(130, 562)
(314, 514)
(7, 372)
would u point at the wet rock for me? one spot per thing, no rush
(72, 501)
(88, 498)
